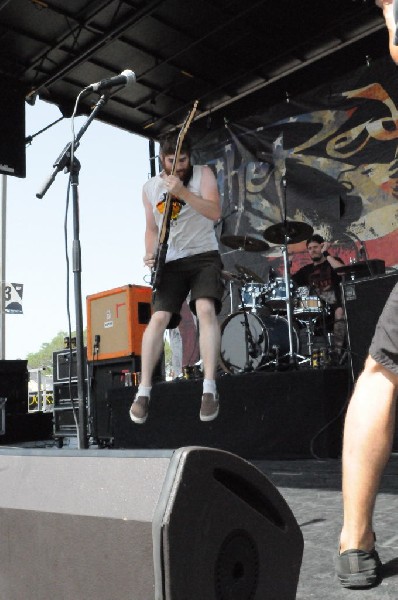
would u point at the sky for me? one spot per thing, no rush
(114, 166)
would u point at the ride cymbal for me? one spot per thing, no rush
(244, 242)
(295, 232)
(248, 274)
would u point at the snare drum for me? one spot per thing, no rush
(277, 293)
(246, 346)
(253, 296)
(306, 306)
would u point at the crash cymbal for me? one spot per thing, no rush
(248, 274)
(296, 232)
(244, 242)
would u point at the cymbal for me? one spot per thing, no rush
(296, 232)
(248, 274)
(228, 276)
(244, 242)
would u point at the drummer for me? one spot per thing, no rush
(321, 278)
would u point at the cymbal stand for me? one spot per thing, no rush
(293, 356)
(231, 297)
(253, 348)
(309, 325)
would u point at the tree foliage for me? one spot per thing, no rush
(44, 356)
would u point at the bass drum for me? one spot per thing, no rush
(248, 347)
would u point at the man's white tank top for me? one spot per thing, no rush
(190, 232)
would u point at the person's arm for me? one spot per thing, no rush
(300, 277)
(151, 233)
(208, 203)
(334, 261)
(387, 7)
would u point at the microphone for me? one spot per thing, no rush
(126, 77)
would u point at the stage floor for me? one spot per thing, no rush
(312, 488)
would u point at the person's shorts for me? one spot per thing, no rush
(199, 274)
(384, 346)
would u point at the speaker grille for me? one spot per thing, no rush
(237, 567)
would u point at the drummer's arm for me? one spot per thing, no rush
(334, 261)
(299, 279)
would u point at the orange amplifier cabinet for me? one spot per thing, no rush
(119, 317)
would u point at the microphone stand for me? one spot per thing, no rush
(64, 162)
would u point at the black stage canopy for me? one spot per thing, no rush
(236, 57)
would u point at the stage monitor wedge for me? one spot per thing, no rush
(12, 128)
(198, 523)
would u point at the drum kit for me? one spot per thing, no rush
(265, 329)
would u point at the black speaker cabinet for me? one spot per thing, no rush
(199, 524)
(12, 120)
(364, 301)
(65, 364)
(104, 377)
(14, 379)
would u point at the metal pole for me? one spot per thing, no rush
(3, 266)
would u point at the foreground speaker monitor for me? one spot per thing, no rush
(198, 523)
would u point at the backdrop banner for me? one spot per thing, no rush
(326, 158)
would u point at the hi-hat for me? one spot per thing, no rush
(295, 232)
(248, 274)
(244, 242)
(228, 276)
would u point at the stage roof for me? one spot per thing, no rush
(236, 57)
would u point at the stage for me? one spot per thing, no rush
(290, 414)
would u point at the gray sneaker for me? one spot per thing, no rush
(210, 407)
(358, 569)
(139, 409)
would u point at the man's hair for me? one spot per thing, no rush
(168, 144)
(315, 238)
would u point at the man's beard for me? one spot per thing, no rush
(186, 178)
(316, 259)
(187, 175)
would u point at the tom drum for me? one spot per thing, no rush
(253, 296)
(277, 293)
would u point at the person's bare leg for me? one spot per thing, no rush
(151, 349)
(209, 344)
(209, 336)
(368, 435)
(152, 345)
(339, 328)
